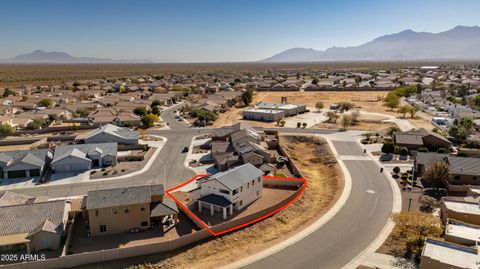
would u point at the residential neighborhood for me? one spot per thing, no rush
(240, 134)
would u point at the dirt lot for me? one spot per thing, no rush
(364, 100)
(324, 186)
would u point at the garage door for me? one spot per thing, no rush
(17, 174)
(35, 172)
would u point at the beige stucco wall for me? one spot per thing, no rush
(120, 222)
(37, 241)
(427, 263)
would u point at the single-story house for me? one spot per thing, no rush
(23, 163)
(464, 211)
(415, 139)
(112, 133)
(438, 254)
(33, 226)
(83, 157)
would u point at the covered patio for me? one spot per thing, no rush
(216, 202)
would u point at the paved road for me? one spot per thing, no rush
(350, 148)
(354, 227)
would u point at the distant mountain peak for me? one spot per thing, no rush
(460, 42)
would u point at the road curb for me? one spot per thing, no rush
(308, 230)
(387, 229)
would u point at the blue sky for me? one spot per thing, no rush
(214, 30)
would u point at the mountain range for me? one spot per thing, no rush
(54, 57)
(461, 42)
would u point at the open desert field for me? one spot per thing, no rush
(44, 74)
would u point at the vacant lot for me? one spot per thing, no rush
(324, 185)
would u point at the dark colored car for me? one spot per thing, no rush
(185, 149)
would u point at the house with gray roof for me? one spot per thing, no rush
(37, 226)
(415, 139)
(23, 163)
(125, 209)
(112, 133)
(83, 157)
(235, 188)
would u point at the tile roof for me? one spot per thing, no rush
(81, 150)
(26, 218)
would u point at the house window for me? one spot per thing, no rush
(248, 185)
(144, 223)
(103, 228)
(142, 208)
(235, 191)
(223, 191)
(241, 189)
(456, 177)
(127, 210)
(114, 211)
(253, 182)
(240, 203)
(96, 212)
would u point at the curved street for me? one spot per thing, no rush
(333, 245)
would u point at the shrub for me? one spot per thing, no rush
(396, 169)
(442, 150)
(404, 151)
(422, 149)
(388, 148)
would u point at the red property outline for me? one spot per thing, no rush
(204, 225)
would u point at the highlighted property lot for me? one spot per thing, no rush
(302, 183)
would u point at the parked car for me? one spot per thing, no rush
(185, 149)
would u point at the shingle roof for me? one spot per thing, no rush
(121, 196)
(32, 157)
(428, 158)
(464, 165)
(216, 200)
(166, 207)
(26, 218)
(80, 150)
(238, 176)
(122, 132)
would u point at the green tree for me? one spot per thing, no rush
(247, 97)
(47, 102)
(345, 106)
(140, 111)
(206, 116)
(304, 125)
(299, 124)
(319, 106)
(156, 110)
(155, 103)
(392, 130)
(404, 110)
(413, 110)
(392, 101)
(149, 119)
(315, 81)
(7, 92)
(6, 129)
